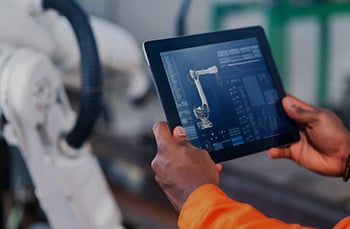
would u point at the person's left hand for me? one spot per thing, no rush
(179, 167)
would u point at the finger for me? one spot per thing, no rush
(179, 131)
(180, 134)
(299, 103)
(298, 110)
(276, 153)
(155, 164)
(273, 153)
(162, 134)
(219, 167)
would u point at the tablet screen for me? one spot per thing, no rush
(224, 94)
(224, 89)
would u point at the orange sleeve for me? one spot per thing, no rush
(343, 224)
(209, 207)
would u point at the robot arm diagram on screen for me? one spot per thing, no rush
(68, 180)
(202, 111)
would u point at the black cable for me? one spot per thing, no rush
(4, 178)
(91, 94)
(181, 18)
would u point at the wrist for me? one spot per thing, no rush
(346, 161)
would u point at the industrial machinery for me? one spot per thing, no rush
(181, 18)
(202, 111)
(39, 42)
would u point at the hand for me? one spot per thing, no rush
(324, 141)
(180, 167)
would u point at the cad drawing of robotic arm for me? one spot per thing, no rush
(201, 112)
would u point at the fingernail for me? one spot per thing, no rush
(180, 131)
(288, 102)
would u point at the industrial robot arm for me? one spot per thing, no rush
(68, 180)
(24, 24)
(202, 111)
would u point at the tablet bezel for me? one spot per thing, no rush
(154, 48)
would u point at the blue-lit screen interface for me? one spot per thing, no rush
(224, 94)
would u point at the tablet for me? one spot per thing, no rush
(224, 89)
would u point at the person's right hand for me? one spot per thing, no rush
(180, 168)
(324, 143)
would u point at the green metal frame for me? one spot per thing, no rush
(278, 16)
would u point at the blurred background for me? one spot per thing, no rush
(310, 43)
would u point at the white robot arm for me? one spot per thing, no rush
(24, 24)
(202, 111)
(69, 182)
(68, 179)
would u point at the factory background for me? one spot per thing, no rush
(124, 142)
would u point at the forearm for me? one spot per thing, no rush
(208, 206)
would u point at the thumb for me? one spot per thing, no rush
(180, 134)
(298, 110)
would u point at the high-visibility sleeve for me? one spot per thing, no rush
(209, 207)
(343, 224)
